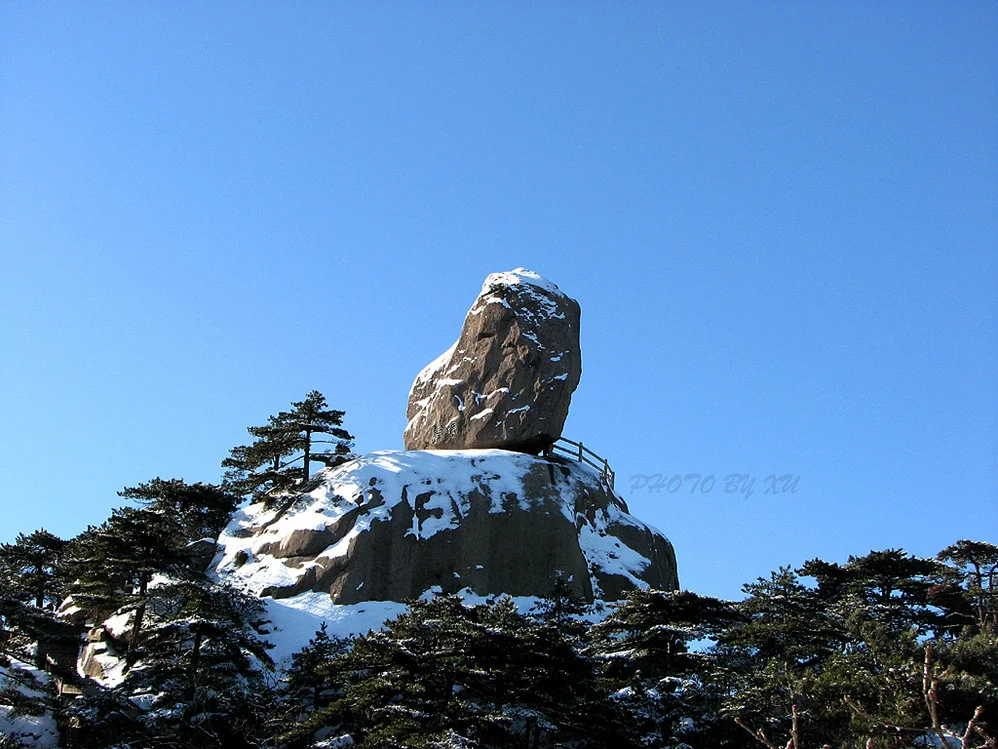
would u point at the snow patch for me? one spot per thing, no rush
(34, 731)
(427, 373)
(519, 277)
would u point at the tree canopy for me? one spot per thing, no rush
(279, 459)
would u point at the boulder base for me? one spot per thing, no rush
(393, 525)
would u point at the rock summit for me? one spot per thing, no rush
(508, 380)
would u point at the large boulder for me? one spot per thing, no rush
(392, 525)
(508, 381)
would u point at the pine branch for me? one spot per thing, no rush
(930, 693)
(873, 719)
(972, 728)
(760, 736)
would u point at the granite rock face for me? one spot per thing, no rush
(508, 380)
(394, 524)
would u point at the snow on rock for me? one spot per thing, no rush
(33, 731)
(508, 380)
(393, 524)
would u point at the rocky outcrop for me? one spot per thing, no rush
(508, 381)
(393, 525)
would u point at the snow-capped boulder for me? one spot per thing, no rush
(508, 381)
(392, 525)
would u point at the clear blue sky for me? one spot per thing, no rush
(780, 220)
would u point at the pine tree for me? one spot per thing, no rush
(564, 608)
(28, 634)
(202, 510)
(268, 466)
(111, 566)
(444, 674)
(22, 692)
(767, 664)
(306, 679)
(895, 679)
(850, 661)
(201, 635)
(643, 647)
(891, 589)
(29, 568)
(197, 680)
(973, 566)
(108, 719)
(194, 655)
(653, 629)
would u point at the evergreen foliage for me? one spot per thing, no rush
(201, 665)
(194, 654)
(767, 663)
(307, 679)
(972, 568)
(444, 674)
(269, 465)
(28, 568)
(565, 609)
(646, 650)
(885, 651)
(200, 510)
(30, 589)
(647, 636)
(863, 658)
(112, 566)
(198, 679)
(20, 690)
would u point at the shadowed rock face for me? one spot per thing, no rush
(392, 525)
(508, 381)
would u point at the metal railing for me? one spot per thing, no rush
(584, 455)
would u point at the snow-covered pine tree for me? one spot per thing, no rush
(482, 676)
(565, 609)
(111, 566)
(650, 632)
(643, 649)
(306, 680)
(21, 626)
(200, 670)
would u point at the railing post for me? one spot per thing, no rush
(581, 459)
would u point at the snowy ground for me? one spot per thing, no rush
(34, 731)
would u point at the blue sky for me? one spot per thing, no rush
(780, 220)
